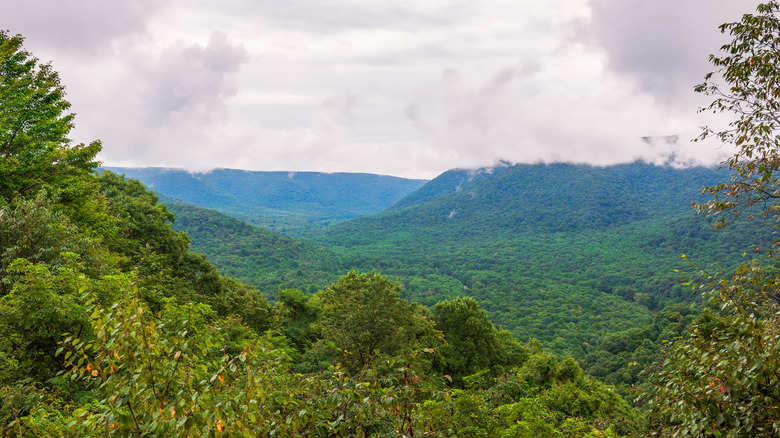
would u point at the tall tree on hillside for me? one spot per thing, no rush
(473, 342)
(365, 318)
(722, 379)
(34, 124)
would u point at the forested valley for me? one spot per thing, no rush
(540, 300)
(588, 277)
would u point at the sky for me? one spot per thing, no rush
(393, 87)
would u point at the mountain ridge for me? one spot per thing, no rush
(547, 197)
(285, 202)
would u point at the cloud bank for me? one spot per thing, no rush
(392, 87)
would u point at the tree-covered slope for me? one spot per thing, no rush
(449, 182)
(553, 218)
(560, 216)
(254, 255)
(285, 202)
(542, 198)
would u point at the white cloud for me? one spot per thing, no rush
(398, 87)
(77, 28)
(570, 108)
(663, 44)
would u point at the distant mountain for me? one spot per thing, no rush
(538, 198)
(449, 182)
(285, 202)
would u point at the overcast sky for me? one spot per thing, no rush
(398, 87)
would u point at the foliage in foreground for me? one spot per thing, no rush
(181, 371)
(721, 380)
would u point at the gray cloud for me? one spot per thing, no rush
(189, 78)
(168, 104)
(398, 87)
(562, 112)
(664, 44)
(77, 26)
(341, 15)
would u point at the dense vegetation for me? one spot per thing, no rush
(253, 255)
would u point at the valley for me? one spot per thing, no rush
(571, 255)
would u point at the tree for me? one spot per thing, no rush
(297, 313)
(141, 220)
(750, 67)
(363, 315)
(29, 229)
(34, 124)
(722, 379)
(34, 316)
(473, 342)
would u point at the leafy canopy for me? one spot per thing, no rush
(364, 316)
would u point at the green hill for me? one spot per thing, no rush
(253, 255)
(531, 199)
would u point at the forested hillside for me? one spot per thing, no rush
(253, 255)
(536, 236)
(544, 198)
(285, 202)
